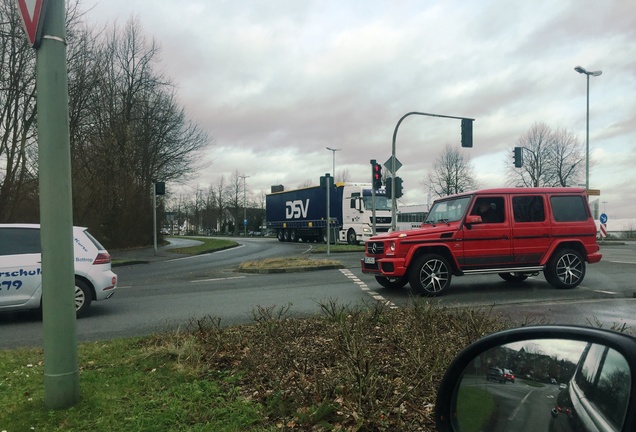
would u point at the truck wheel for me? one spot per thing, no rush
(286, 235)
(392, 283)
(324, 237)
(279, 235)
(566, 269)
(513, 277)
(430, 275)
(293, 236)
(352, 239)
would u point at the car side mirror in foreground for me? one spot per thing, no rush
(541, 378)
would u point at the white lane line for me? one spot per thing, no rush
(217, 279)
(606, 292)
(519, 406)
(363, 286)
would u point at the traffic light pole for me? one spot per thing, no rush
(394, 159)
(373, 168)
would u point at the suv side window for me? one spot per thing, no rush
(528, 208)
(491, 209)
(569, 208)
(17, 241)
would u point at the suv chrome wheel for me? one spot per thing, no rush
(430, 275)
(565, 269)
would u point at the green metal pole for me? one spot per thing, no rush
(61, 370)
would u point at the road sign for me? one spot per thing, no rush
(389, 164)
(603, 218)
(32, 12)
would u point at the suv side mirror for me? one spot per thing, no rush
(473, 219)
(595, 370)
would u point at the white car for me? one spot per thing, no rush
(21, 271)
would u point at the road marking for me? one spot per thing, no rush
(207, 254)
(606, 292)
(217, 279)
(621, 262)
(363, 286)
(519, 406)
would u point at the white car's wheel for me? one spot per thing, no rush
(83, 297)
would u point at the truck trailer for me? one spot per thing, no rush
(301, 214)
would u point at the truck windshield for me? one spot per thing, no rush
(381, 203)
(448, 211)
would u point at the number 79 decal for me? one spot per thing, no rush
(7, 283)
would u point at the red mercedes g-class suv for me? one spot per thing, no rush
(513, 232)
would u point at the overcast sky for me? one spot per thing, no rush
(275, 82)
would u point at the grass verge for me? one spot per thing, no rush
(360, 368)
(208, 245)
(337, 248)
(287, 264)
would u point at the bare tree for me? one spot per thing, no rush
(134, 127)
(567, 159)
(343, 176)
(550, 158)
(219, 192)
(18, 147)
(451, 174)
(236, 199)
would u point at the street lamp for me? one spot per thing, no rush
(334, 150)
(244, 206)
(582, 70)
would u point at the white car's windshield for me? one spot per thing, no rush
(448, 211)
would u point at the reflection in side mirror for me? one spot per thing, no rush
(593, 385)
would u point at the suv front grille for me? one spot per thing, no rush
(375, 248)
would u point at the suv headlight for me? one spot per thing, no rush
(392, 246)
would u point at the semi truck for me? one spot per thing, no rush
(301, 214)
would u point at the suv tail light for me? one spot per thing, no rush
(102, 258)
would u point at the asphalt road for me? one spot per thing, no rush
(168, 293)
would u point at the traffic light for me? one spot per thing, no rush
(389, 188)
(467, 133)
(398, 187)
(160, 188)
(518, 157)
(377, 175)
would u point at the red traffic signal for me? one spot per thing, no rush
(377, 175)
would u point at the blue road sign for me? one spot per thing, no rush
(603, 218)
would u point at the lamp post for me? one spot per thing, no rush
(244, 206)
(333, 150)
(582, 70)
